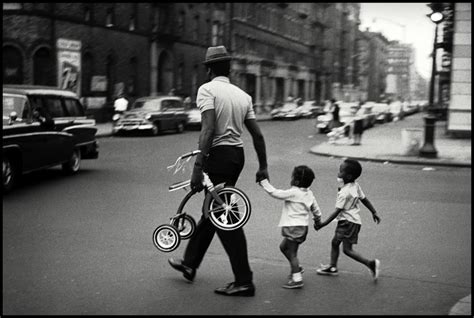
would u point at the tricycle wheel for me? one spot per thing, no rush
(166, 238)
(185, 224)
(235, 212)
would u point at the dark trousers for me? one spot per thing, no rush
(224, 164)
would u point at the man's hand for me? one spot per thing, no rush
(197, 179)
(262, 174)
(376, 218)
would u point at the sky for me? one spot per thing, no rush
(419, 30)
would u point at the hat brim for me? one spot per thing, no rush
(217, 59)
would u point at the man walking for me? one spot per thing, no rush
(225, 109)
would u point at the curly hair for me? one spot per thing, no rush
(353, 168)
(303, 176)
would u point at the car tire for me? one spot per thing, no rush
(180, 127)
(74, 163)
(10, 174)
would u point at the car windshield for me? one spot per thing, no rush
(289, 106)
(146, 105)
(13, 104)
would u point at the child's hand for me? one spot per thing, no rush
(376, 218)
(317, 223)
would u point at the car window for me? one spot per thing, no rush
(165, 104)
(73, 107)
(175, 104)
(14, 104)
(53, 106)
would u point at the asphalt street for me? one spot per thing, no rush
(82, 245)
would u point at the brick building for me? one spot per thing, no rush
(280, 49)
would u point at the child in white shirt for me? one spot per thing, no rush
(299, 203)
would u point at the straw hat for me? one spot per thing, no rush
(216, 54)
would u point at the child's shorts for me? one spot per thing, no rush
(347, 231)
(295, 233)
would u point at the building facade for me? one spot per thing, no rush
(460, 89)
(400, 67)
(376, 65)
(102, 49)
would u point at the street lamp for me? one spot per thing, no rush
(428, 150)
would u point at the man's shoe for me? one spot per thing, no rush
(247, 290)
(293, 284)
(188, 272)
(375, 269)
(327, 270)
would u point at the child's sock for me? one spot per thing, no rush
(297, 277)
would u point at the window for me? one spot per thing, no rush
(156, 18)
(12, 6)
(196, 28)
(87, 69)
(132, 23)
(12, 65)
(42, 66)
(132, 84)
(181, 22)
(179, 82)
(53, 106)
(217, 33)
(87, 14)
(73, 107)
(109, 22)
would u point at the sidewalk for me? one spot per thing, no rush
(384, 143)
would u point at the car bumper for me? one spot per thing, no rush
(130, 127)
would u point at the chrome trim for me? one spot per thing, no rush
(85, 143)
(38, 133)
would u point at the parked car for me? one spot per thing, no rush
(153, 114)
(43, 127)
(194, 116)
(289, 110)
(310, 109)
(410, 108)
(381, 112)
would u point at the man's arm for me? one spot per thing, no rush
(259, 145)
(208, 119)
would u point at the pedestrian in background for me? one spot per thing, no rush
(357, 130)
(120, 104)
(299, 204)
(349, 220)
(335, 115)
(225, 110)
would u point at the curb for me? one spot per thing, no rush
(397, 161)
(462, 307)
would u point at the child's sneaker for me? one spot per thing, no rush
(293, 284)
(327, 270)
(375, 269)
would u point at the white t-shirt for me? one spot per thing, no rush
(232, 106)
(299, 202)
(348, 199)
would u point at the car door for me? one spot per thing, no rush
(167, 114)
(22, 137)
(58, 145)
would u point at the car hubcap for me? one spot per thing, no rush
(75, 161)
(7, 172)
